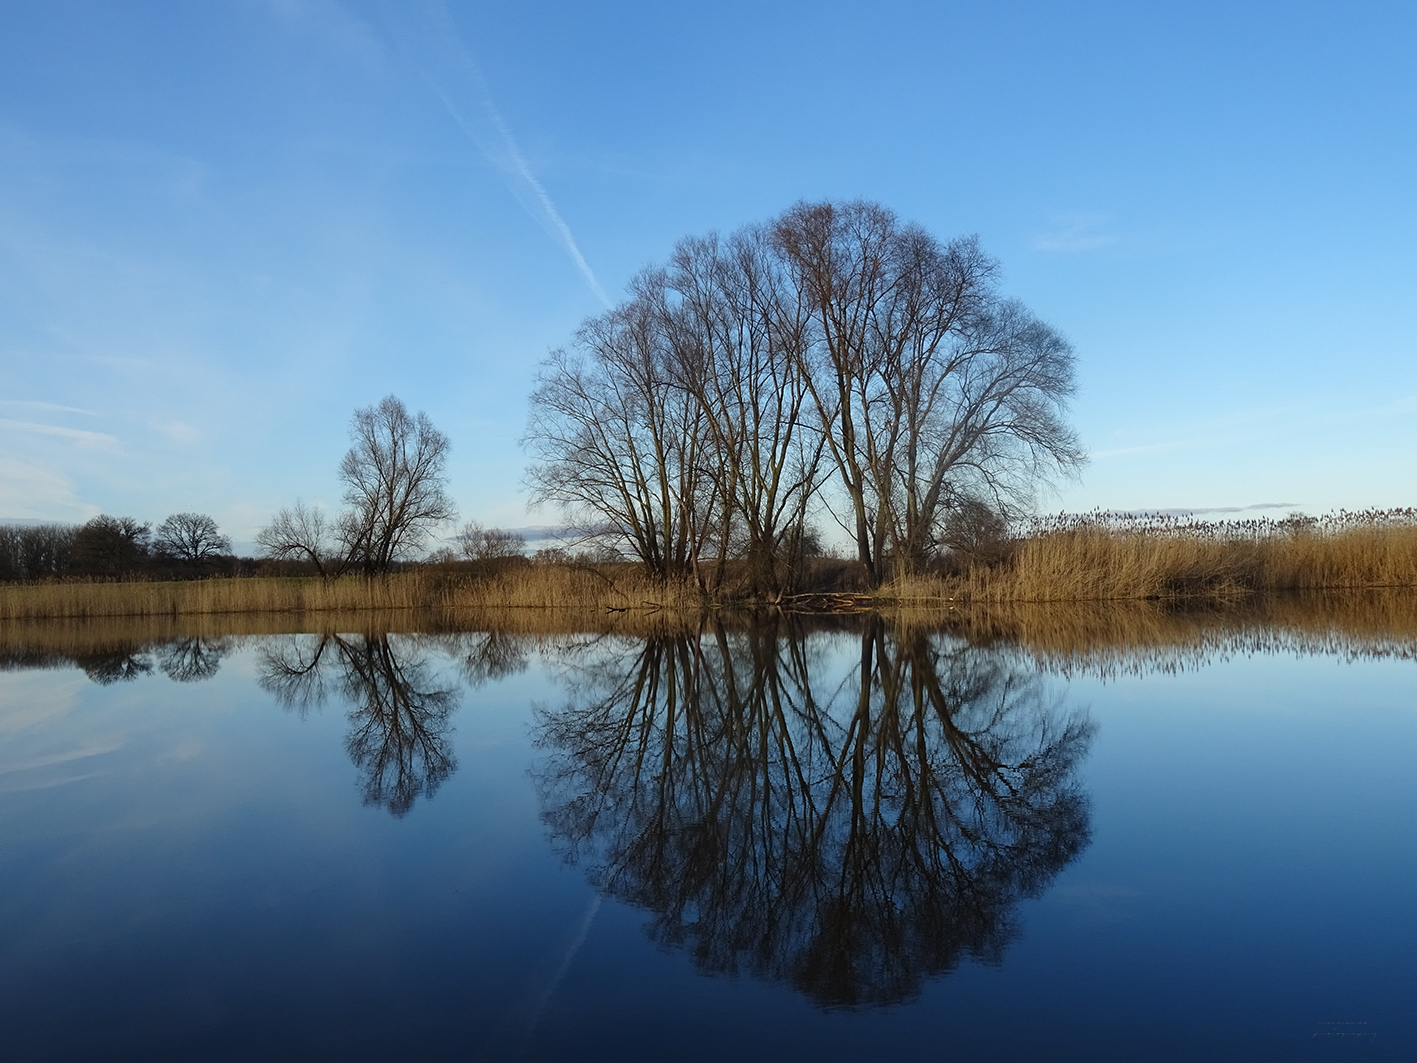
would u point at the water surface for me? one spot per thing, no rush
(1071, 835)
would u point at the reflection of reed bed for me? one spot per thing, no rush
(70, 636)
(66, 641)
(1135, 636)
(555, 587)
(1105, 556)
(1110, 636)
(58, 642)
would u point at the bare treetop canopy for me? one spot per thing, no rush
(395, 489)
(394, 484)
(190, 537)
(831, 361)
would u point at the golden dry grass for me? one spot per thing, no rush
(618, 587)
(1103, 557)
(213, 596)
(1099, 557)
(555, 587)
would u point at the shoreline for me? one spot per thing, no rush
(575, 592)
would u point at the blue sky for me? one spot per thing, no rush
(225, 225)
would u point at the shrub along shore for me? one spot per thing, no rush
(1099, 557)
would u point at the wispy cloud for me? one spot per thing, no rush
(1075, 234)
(43, 407)
(68, 756)
(34, 492)
(448, 70)
(1197, 511)
(74, 434)
(177, 431)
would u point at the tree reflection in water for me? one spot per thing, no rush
(115, 664)
(850, 837)
(488, 656)
(400, 735)
(191, 660)
(186, 660)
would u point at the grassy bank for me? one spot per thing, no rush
(565, 588)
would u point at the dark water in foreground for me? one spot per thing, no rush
(776, 843)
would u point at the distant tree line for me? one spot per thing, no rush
(395, 493)
(832, 362)
(185, 544)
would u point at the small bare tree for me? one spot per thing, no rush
(190, 537)
(394, 484)
(489, 544)
(301, 533)
(394, 479)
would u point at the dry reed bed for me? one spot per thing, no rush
(1097, 557)
(212, 596)
(608, 587)
(1104, 556)
(577, 589)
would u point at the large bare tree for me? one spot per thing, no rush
(739, 331)
(932, 391)
(617, 444)
(698, 417)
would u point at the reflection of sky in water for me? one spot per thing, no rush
(191, 870)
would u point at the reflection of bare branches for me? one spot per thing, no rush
(118, 664)
(852, 841)
(400, 734)
(291, 670)
(492, 655)
(191, 660)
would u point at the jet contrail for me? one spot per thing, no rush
(499, 148)
(522, 1022)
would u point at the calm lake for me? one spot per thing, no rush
(1068, 835)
